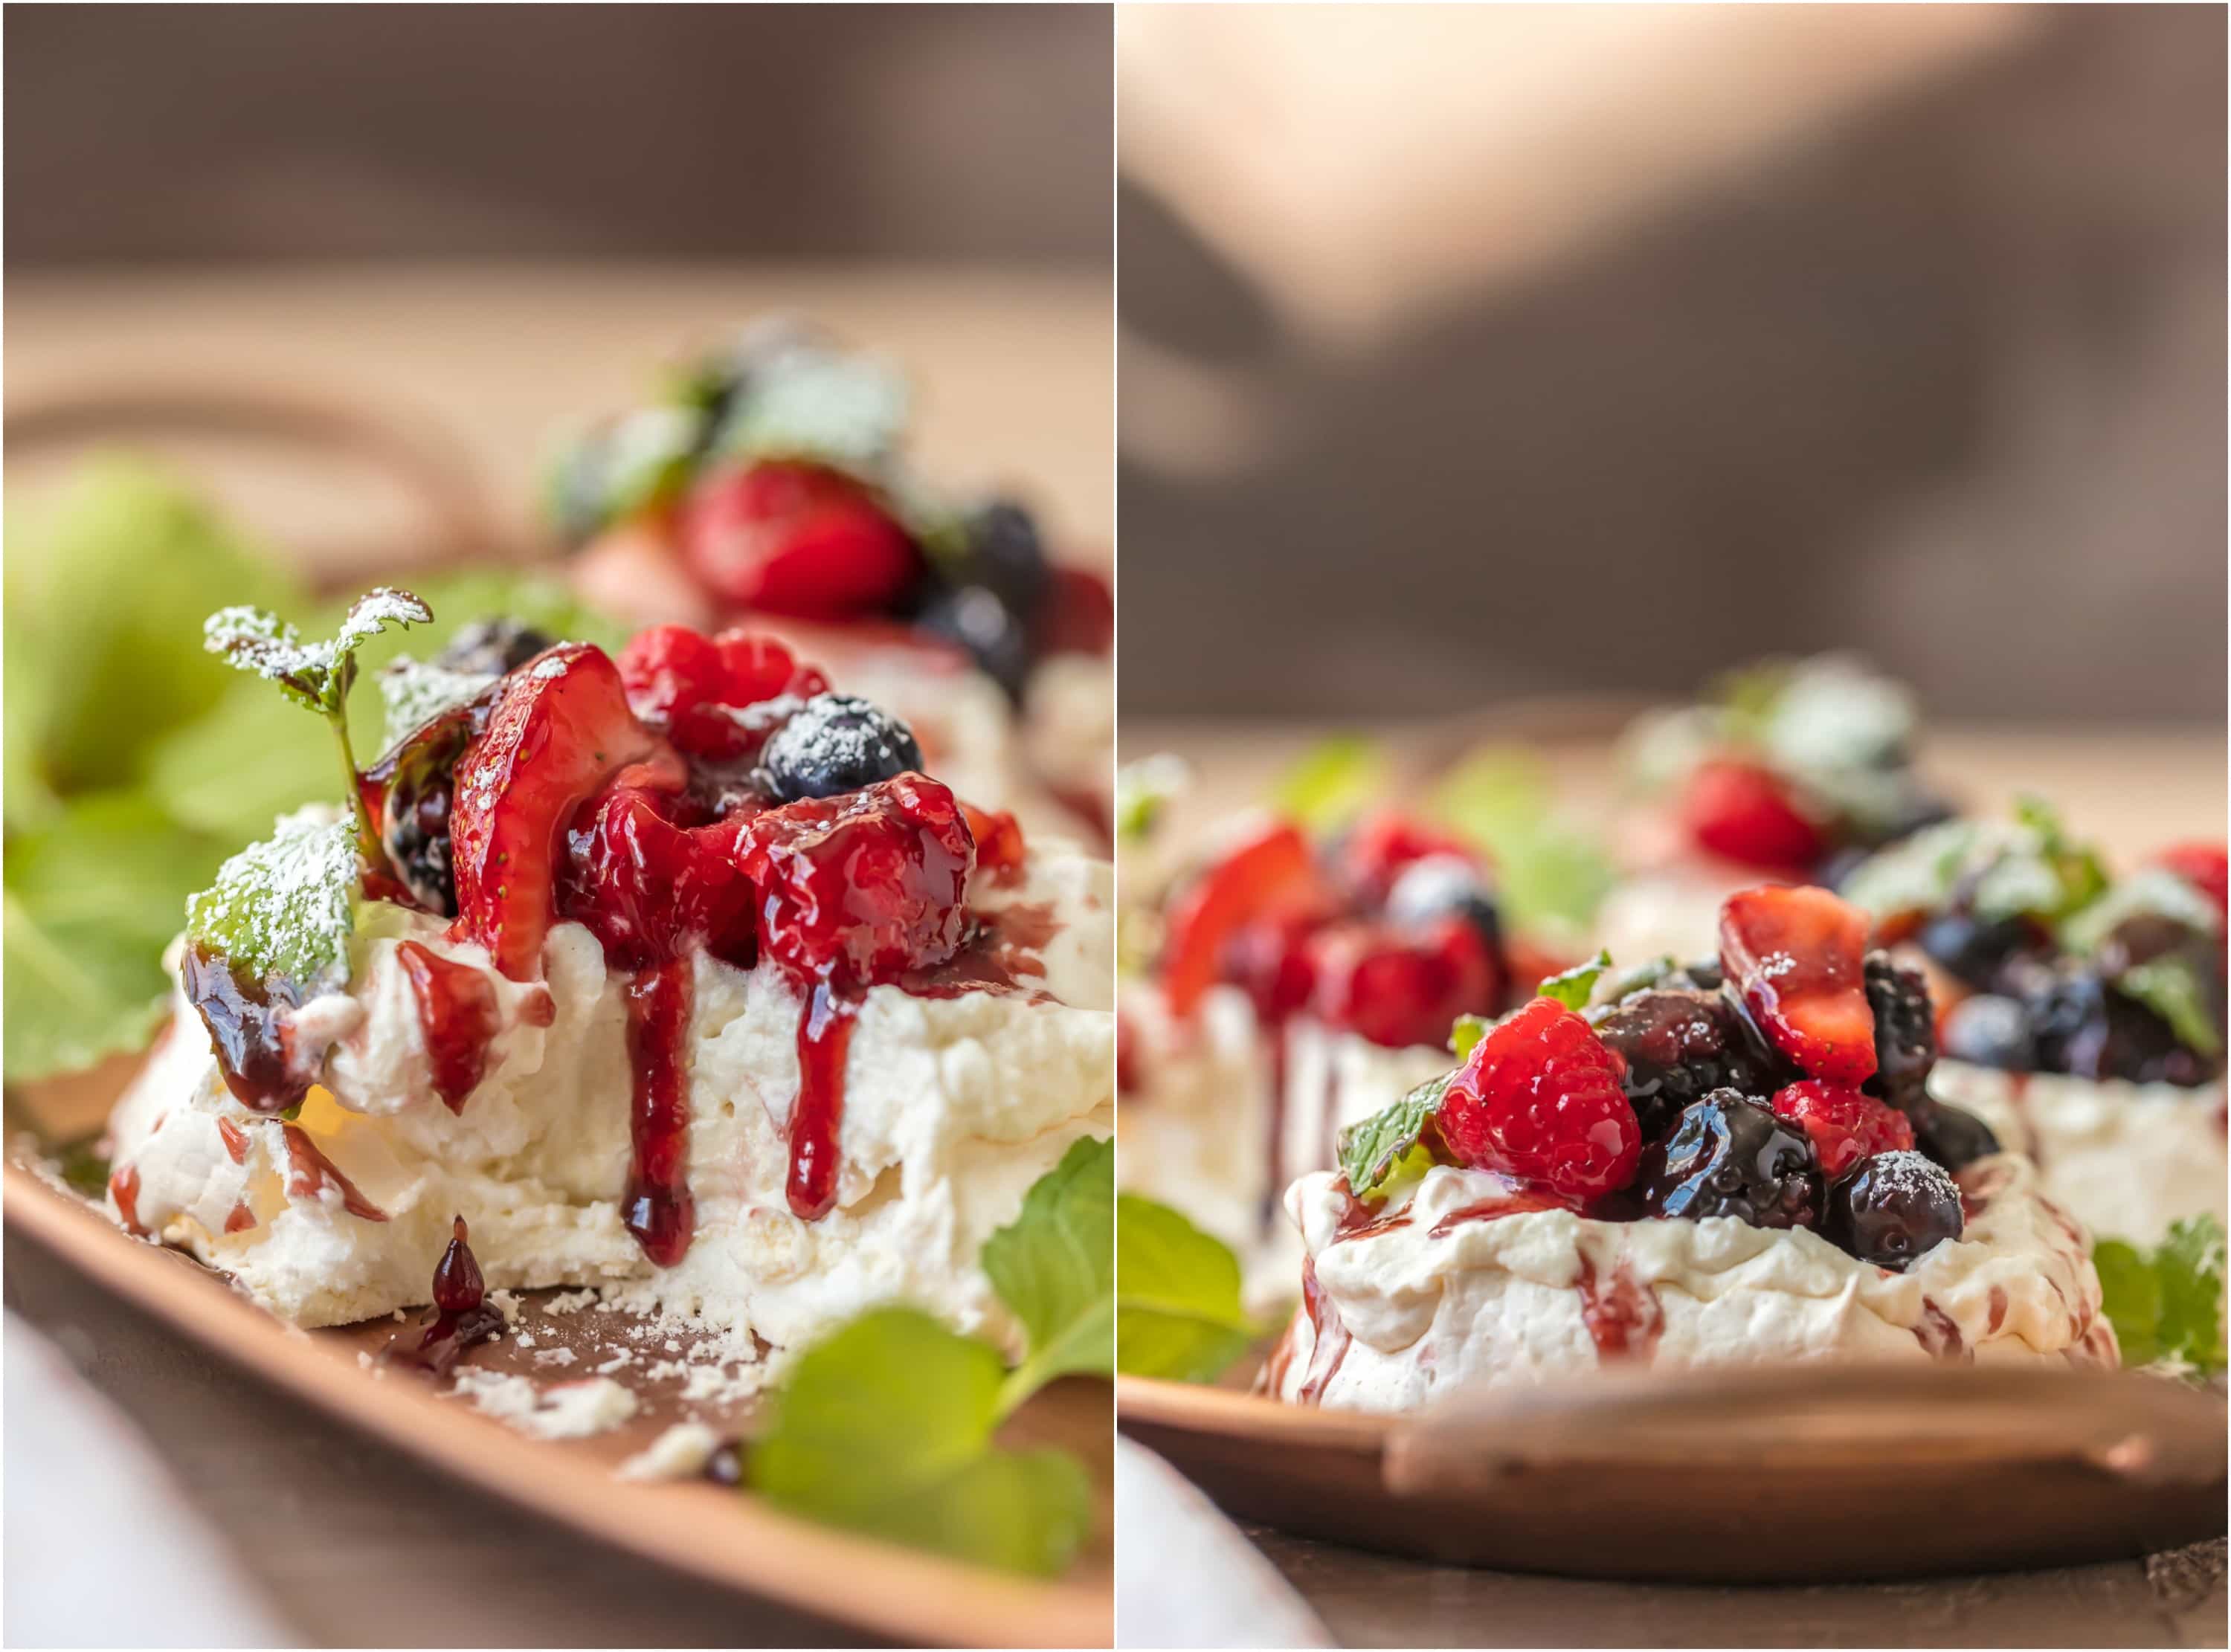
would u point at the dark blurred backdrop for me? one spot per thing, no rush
(237, 133)
(1945, 381)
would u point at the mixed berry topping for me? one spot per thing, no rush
(1783, 1085)
(699, 794)
(774, 473)
(2040, 962)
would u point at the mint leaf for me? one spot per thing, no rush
(1053, 1267)
(1143, 790)
(285, 909)
(1388, 1148)
(885, 1428)
(1331, 784)
(1467, 1033)
(1547, 871)
(2170, 988)
(1178, 1312)
(2166, 1305)
(2153, 892)
(92, 900)
(1572, 987)
(806, 398)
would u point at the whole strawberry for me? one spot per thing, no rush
(1540, 1097)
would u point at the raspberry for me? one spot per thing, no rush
(795, 540)
(1539, 1098)
(1745, 813)
(2203, 866)
(1383, 844)
(1796, 957)
(1843, 1125)
(861, 887)
(1399, 987)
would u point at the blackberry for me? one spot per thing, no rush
(415, 784)
(1007, 556)
(1679, 1047)
(1729, 1156)
(492, 647)
(982, 623)
(1905, 1033)
(833, 744)
(1892, 1209)
(1448, 885)
(1988, 1030)
(1952, 1136)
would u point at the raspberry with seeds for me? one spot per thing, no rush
(1540, 1097)
(1844, 1125)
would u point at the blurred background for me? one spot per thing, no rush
(1474, 352)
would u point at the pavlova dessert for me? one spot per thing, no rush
(1785, 769)
(673, 974)
(768, 485)
(2082, 1015)
(1287, 989)
(1733, 1162)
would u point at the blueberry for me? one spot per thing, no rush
(1952, 1136)
(1905, 1033)
(493, 646)
(974, 617)
(1679, 1047)
(1972, 950)
(1892, 1209)
(1729, 1156)
(1988, 1030)
(1007, 556)
(1447, 886)
(833, 744)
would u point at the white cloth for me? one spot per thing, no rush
(1186, 1576)
(98, 1548)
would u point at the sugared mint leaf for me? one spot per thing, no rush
(885, 1428)
(805, 398)
(1178, 1312)
(1380, 1152)
(2166, 1304)
(412, 693)
(1572, 987)
(284, 908)
(2170, 987)
(1143, 790)
(1053, 1267)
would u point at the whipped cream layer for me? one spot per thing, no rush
(2124, 1159)
(1438, 1293)
(954, 1105)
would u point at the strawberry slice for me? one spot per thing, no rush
(560, 729)
(1746, 813)
(796, 539)
(1272, 872)
(1797, 956)
(2202, 865)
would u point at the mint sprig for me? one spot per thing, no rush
(1573, 987)
(1389, 1148)
(317, 674)
(1331, 784)
(1178, 1310)
(887, 1427)
(2167, 1304)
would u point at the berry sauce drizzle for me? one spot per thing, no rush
(1330, 1345)
(1624, 1319)
(311, 1173)
(825, 1034)
(457, 1014)
(659, 1211)
(462, 1317)
(250, 1026)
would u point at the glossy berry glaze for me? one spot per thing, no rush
(462, 1317)
(638, 798)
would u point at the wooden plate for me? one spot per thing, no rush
(718, 1534)
(1762, 1475)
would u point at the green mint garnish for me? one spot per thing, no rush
(1381, 1152)
(1467, 1032)
(317, 674)
(284, 909)
(1143, 790)
(1331, 784)
(2170, 988)
(886, 1427)
(1178, 1312)
(1547, 871)
(2166, 1304)
(1573, 987)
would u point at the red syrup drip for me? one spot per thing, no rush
(250, 1026)
(235, 1140)
(1331, 1343)
(311, 1173)
(825, 1035)
(659, 1211)
(462, 1317)
(1516, 1201)
(1624, 1319)
(1359, 1221)
(1940, 1338)
(124, 1188)
(457, 1015)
